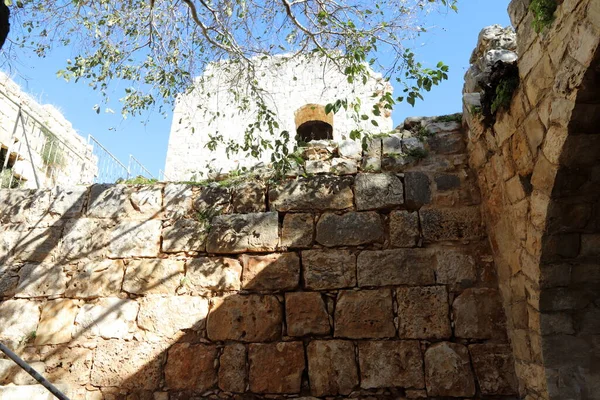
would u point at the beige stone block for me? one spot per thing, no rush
(57, 322)
(448, 371)
(108, 317)
(376, 191)
(272, 272)
(521, 153)
(364, 314)
(85, 238)
(306, 314)
(37, 245)
(404, 228)
(213, 200)
(332, 367)
(514, 189)
(478, 314)
(69, 365)
(544, 175)
(96, 279)
(191, 367)
(297, 231)
(233, 374)
(539, 209)
(455, 267)
(402, 365)
(41, 280)
(153, 276)
(423, 313)
(167, 316)
(18, 319)
(350, 229)
(249, 197)
(135, 239)
(239, 233)
(539, 81)
(177, 199)
(276, 367)
(109, 201)
(535, 131)
(553, 145)
(315, 194)
(328, 269)
(213, 273)
(440, 224)
(583, 43)
(185, 235)
(396, 267)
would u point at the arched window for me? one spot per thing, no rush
(312, 123)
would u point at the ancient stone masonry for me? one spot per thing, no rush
(357, 284)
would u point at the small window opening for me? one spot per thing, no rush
(313, 123)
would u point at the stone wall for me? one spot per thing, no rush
(364, 285)
(537, 167)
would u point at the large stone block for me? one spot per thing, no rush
(40, 280)
(177, 199)
(364, 314)
(455, 267)
(213, 200)
(329, 269)
(494, 369)
(396, 267)
(423, 313)
(306, 314)
(37, 245)
(191, 367)
(350, 229)
(332, 367)
(96, 279)
(124, 201)
(57, 322)
(135, 239)
(153, 276)
(214, 273)
(109, 318)
(167, 316)
(272, 272)
(85, 238)
(18, 319)
(417, 188)
(239, 233)
(185, 235)
(404, 228)
(297, 230)
(23, 205)
(9, 279)
(249, 197)
(233, 374)
(448, 371)
(69, 365)
(478, 314)
(251, 318)
(314, 194)
(463, 223)
(385, 364)
(276, 368)
(377, 191)
(32, 392)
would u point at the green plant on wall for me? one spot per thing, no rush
(52, 152)
(543, 13)
(504, 92)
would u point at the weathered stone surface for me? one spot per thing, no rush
(297, 231)
(153, 276)
(451, 223)
(38, 244)
(96, 279)
(251, 318)
(276, 367)
(238, 233)
(214, 273)
(396, 267)
(350, 149)
(9, 278)
(213, 200)
(331, 367)
(478, 314)
(417, 188)
(38, 280)
(494, 368)
(402, 365)
(364, 314)
(423, 313)
(343, 166)
(317, 166)
(404, 228)
(56, 323)
(128, 364)
(32, 392)
(135, 239)
(177, 198)
(21, 377)
(371, 161)
(70, 365)
(447, 182)
(191, 367)
(315, 194)
(185, 235)
(272, 272)
(18, 319)
(249, 197)
(448, 371)
(109, 318)
(329, 269)
(232, 368)
(306, 314)
(349, 229)
(85, 238)
(376, 191)
(455, 267)
(125, 201)
(166, 316)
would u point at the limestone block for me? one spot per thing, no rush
(249, 197)
(166, 316)
(37, 245)
(177, 198)
(297, 231)
(68, 202)
(135, 239)
(317, 166)
(233, 374)
(57, 322)
(314, 194)
(21, 377)
(185, 235)
(364, 314)
(455, 267)
(214, 273)
(423, 313)
(396, 267)
(40, 280)
(417, 188)
(332, 367)
(18, 319)
(349, 229)
(343, 166)
(404, 228)
(328, 269)
(9, 279)
(213, 200)
(276, 367)
(392, 145)
(96, 279)
(69, 365)
(447, 143)
(238, 233)
(350, 149)
(306, 314)
(402, 365)
(478, 314)
(110, 201)
(272, 272)
(23, 205)
(462, 223)
(371, 161)
(85, 238)
(251, 318)
(376, 191)
(494, 369)
(442, 127)
(153, 276)
(191, 367)
(32, 392)
(448, 371)
(109, 318)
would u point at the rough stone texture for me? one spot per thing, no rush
(448, 371)
(213, 273)
(96, 279)
(320, 193)
(451, 223)
(85, 238)
(39, 280)
(423, 313)
(364, 314)
(166, 316)
(185, 235)
(109, 318)
(328, 269)
(493, 365)
(376, 191)
(213, 200)
(56, 323)
(404, 228)
(349, 229)
(396, 267)
(455, 267)
(402, 365)
(276, 368)
(478, 314)
(124, 201)
(177, 200)
(153, 276)
(239, 233)
(297, 230)
(191, 367)
(272, 272)
(232, 368)
(306, 314)
(135, 239)
(418, 189)
(331, 367)
(18, 318)
(249, 318)
(249, 197)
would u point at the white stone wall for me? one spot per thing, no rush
(291, 84)
(78, 164)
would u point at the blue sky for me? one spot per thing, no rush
(451, 40)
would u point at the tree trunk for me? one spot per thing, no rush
(4, 24)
